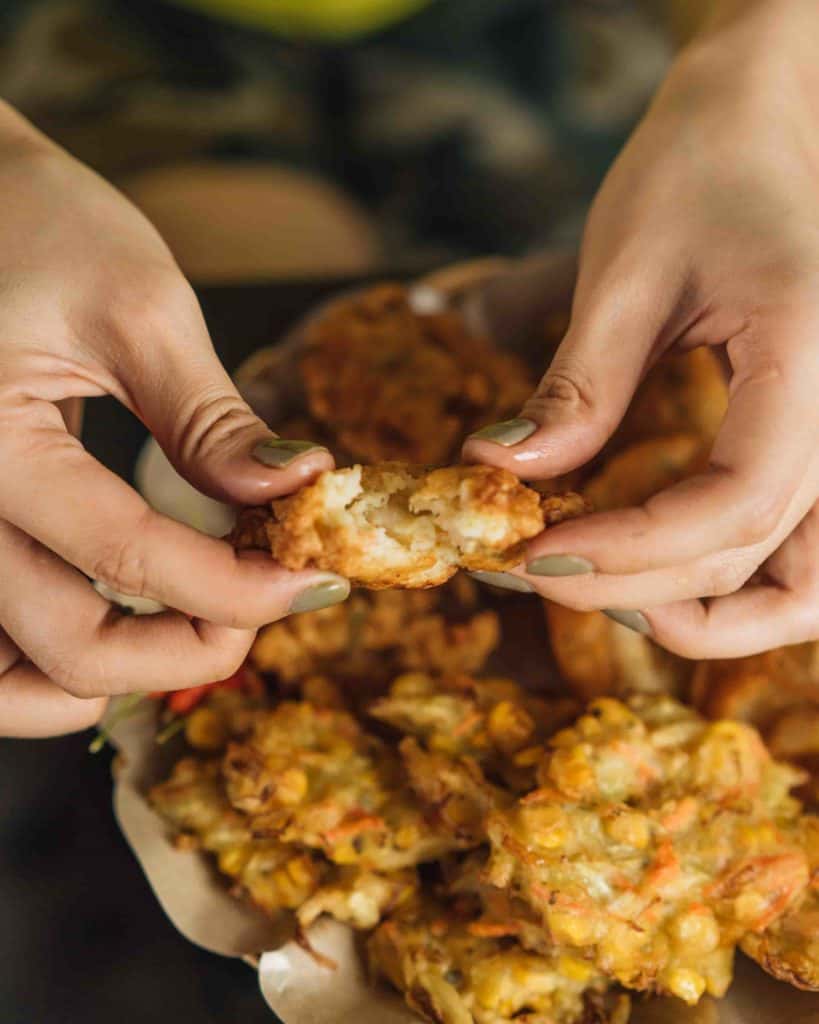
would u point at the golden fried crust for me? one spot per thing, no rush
(685, 392)
(391, 383)
(757, 688)
(359, 898)
(452, 972)
(312, 776)
(777, 693)
(655, 843)
(597, 657)
(250, 530)
(643, 469)
(789, 948)
(375, 635)
(271, 875)
(393, 525)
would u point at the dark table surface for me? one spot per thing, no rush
(82, 939)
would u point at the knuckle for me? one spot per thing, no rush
(211, 423)
(760, 517)
(725, 577)
(566, 385)
(123, 565)
(79, 676)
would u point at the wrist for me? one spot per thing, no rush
(758, 33)
(762, 53)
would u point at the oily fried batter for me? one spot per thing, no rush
(393, 525)
(656, 841)
(271, 875)
(778, 693)
(451, 973)
(597, 657)
(377, 634)
(311, 775)
(789, 948)
(359, 898)
(685, 392)
(393, 383)
(493, 721)
(643, 469)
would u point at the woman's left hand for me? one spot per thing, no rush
(706, 232)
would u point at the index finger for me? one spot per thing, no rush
(764, 455)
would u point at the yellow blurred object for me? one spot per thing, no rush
(328, 19)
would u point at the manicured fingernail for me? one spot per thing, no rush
(559, 565)
(332, 590)
(507, 432)
(279, 452)
(631, 619)
(503, 579)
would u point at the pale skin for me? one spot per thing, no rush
(705, 232)
(92, 303)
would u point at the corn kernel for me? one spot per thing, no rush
(232, 861)
(206, 730)
(291, 786)
(509, 725)
(410, 684)
(344, 854)
(630, 828)
(570, 928)
(549, 827)
(405, 837)
(696, 931)
(300, 870)
(571, 771)
(750, 905)
(574, 969)
(686, 984)
(528, 757)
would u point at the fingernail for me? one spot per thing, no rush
(332, 590)
(279, 452)
(630, 619)
(507, 432)
(503, 579)
(559, 565)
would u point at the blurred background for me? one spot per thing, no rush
(282, 148)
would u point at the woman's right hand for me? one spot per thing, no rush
(92, 303)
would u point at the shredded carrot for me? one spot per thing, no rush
(467, 724)
(354, 824)
(681, 815)
(665, 867)
(544, 795)
(491, 929)
(181, 702)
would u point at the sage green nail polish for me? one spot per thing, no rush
(630, 619)
(559, 565)
(507, 432)
(278, 451)
(505, 580)
(333, 590)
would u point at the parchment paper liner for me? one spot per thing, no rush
(511, 302)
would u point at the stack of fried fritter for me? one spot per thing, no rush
(517, 854)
